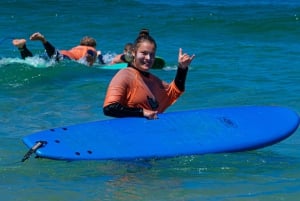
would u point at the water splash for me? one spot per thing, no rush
(36, 62)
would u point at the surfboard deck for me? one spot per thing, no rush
(159, 63)
(219, 130)
(117, 66)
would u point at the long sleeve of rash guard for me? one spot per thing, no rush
(180, 78)
(118, 110)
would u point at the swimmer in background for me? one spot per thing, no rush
(85, 51)
(125, 57)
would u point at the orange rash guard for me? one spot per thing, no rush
(132, 89)
(77, 52)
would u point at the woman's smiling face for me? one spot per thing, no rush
(144, 56)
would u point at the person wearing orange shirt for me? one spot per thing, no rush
(85, 51)
(135, 92)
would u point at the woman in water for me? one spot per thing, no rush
(135, 92)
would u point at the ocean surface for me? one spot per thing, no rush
(247, 53)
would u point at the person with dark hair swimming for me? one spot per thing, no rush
(125, 57)
(86, 50)
(135, 92)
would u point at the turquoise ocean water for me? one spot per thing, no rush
(247, 53)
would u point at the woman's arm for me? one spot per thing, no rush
(180, 78)
(118, 110)
(184, 60)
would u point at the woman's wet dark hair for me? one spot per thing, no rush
(144, 35)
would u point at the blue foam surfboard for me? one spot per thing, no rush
(159, 63)
(219, 130)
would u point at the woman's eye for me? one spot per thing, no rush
(148, 53)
